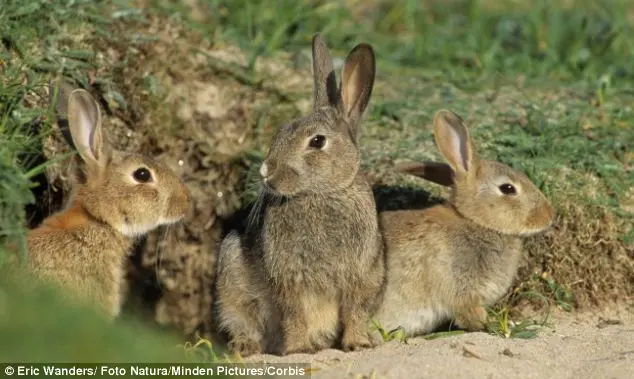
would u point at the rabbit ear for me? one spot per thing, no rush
(325, 82)
(454, 142)
(84, 119)
(356, 85)
(436, 172)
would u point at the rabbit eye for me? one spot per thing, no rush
(317, 142)
(142, 175)
(507, 189)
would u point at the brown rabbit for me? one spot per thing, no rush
(314, 247)
(452, 260)
(122, 196)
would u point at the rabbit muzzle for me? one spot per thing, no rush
(540, 219)
(280, 179)
(179, 203)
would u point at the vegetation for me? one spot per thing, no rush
(546, 87)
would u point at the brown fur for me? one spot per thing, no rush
(452, 260)
(72, 218)
(244, 302)
(82, 248)
(313, 254)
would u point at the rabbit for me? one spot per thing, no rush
(243, 304)
(452, 260)
(121, 197)
(314, 246)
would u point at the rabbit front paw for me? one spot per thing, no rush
(244, 346)
(355, 341)
(472, 319)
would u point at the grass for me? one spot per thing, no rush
(72, 333)
(396, 334)
(546, 89)
(501, 324)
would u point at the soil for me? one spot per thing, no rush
(597, 345)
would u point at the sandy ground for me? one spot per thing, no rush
(599, 345)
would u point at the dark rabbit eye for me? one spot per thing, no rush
(142, 175)
(317, 142)
(507, 189)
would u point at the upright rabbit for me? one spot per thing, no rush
(121, 197)
(315, 247)
(452, 260)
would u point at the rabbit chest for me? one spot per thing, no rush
(103, 274)
(320, 241)
(487, 263)
(88, 260)
(500, 276)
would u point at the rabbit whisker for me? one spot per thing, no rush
(255, 213)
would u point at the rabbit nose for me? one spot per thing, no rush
(264, 170)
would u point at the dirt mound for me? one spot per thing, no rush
(583, 251)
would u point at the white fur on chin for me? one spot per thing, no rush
(131, 230)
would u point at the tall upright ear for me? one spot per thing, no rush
(356, 85)
(454, 142)
(436, 172)
(84, 120)
(325, 81)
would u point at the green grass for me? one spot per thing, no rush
(14, 189)
(38, 325)
(34, 35)
(501, 324)
(589, 40)
(396, 334)
(546, 89)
